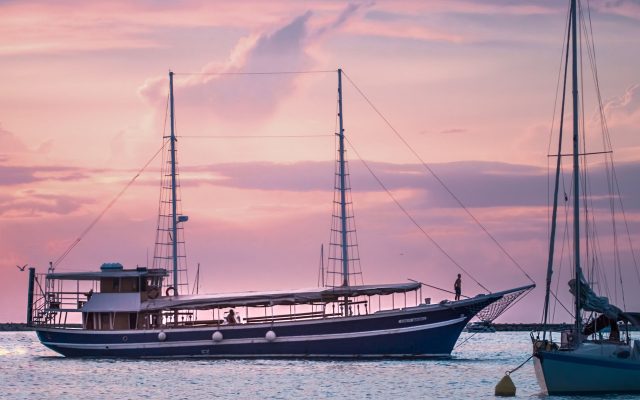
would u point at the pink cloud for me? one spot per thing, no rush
(404, 30)
(248, 98)
(624, 8)
(39, 205)
(625, 109)
(49, 28)
(9, 143)
(241, 229)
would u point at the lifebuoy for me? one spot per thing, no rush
(170, 288)
(153, 292)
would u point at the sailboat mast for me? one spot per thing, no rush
(576, 165)
(554, 214)
(174, 217)
(343, 199)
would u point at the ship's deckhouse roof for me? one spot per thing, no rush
(280, 297)
(97, 275)
(113, 302)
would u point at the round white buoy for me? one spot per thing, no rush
(270, 336)
(162, 336)
(217, 336)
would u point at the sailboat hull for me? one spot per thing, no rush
(590, 369)
(423, 331)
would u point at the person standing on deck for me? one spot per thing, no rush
(457, 286)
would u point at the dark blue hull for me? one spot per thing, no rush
(424, 331)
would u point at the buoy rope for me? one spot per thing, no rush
(519, 366)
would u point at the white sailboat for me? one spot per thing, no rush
(586, 360)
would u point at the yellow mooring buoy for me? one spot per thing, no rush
(505, 387)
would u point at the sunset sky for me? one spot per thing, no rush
(470, 85)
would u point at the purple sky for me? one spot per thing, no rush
(470, 85)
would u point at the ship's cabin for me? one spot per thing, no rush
(108, 299)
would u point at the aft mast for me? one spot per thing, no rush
(344, 259)
(343, 199)
(174, 218)
(170, 251)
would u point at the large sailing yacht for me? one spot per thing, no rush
(146, 312)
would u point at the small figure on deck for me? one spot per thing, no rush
(458, 287)
(231, 317)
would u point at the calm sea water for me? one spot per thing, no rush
(30, 371)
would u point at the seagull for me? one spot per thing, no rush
(22, 268)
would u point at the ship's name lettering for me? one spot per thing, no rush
(409, 320)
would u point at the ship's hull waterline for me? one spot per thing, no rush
(416, 332)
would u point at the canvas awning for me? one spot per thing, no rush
(269, 298)
(112, 302)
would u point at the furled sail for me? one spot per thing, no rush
(590, 301)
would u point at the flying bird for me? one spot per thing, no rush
(22, 268)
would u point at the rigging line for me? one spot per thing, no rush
(252, 136)
(590, 44)
(565, 241)
(565, 43)
(157, 252)
(332, 247)
(561, 305)
(104, 211)
(442, 250)
(555, 101)
(440, 181)
(554, 212)
(467, 339)
(585, 182)
(614, 187)
(589, 229)
(257, 72)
